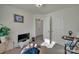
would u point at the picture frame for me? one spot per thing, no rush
(18, 18)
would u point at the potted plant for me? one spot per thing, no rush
(4, 32)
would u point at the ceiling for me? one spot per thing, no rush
(46, 8)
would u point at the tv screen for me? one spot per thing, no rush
(23, 37)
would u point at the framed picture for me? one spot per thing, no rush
(18, 18)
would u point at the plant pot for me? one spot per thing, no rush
(3, 39)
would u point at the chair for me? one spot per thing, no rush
(70, 48)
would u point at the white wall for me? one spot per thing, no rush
(63, 21)
(17, 28)
(0, 14)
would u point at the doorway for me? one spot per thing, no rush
(39, 30)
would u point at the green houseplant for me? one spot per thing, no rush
(4, 31)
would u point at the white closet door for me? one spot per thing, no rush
(46, 28)
(58, 29)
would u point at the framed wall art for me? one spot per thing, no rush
(18, 18)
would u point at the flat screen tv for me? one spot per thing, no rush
(23, 37)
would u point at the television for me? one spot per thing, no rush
(23, 37)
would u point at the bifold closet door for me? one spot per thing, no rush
(58, 29)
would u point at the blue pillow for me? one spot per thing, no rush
(31, 51)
